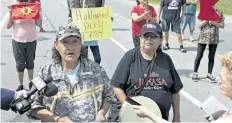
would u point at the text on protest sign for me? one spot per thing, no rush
(94, 23)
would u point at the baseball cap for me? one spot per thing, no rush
(152, 27)
(66, 31)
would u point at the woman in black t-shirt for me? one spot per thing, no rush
(149, 72)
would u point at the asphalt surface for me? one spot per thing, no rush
(55, 14)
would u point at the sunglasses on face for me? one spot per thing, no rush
(150, 36)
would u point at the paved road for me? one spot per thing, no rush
(112, 50)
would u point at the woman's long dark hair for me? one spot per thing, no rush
(137, 2)
(56, 55)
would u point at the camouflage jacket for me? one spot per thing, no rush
(80, 102)
(210, 33)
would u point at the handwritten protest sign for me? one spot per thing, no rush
(94, 23)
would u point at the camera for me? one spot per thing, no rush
(22, 105)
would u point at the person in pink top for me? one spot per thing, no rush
(24, 44)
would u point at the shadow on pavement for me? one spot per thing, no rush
(187, 48)
(185, 72)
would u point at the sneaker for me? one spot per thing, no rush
(195, 77)
(30, 85)
(20, 87)
(182, 49)
(210, 78)
(191, 39)
(166, 47)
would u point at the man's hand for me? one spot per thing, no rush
(64, 119)
(22, 93)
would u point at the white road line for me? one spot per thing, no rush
(183, 92)
(120, 45)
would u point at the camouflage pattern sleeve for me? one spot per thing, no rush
(108, 93)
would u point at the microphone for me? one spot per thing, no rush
(22, 105)
(38, 85)
(50, 90)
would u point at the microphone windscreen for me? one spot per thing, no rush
(50, 90)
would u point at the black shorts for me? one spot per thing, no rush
(24, 54)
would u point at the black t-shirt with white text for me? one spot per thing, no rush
(158, 80)
(171, 9)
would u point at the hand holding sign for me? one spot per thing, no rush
(207, 12)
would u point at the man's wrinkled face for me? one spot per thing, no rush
(69, 48)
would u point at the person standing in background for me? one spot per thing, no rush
(172, 15)
(190, 18)
(93, 45)
(139, 17)
(209, 35)
(24, 44)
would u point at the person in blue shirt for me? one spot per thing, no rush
(7, 96)
(190, 18)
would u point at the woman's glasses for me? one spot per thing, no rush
(220, 81)
(149, 36)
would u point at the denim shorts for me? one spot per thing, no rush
(175, 25)
(189, 20)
